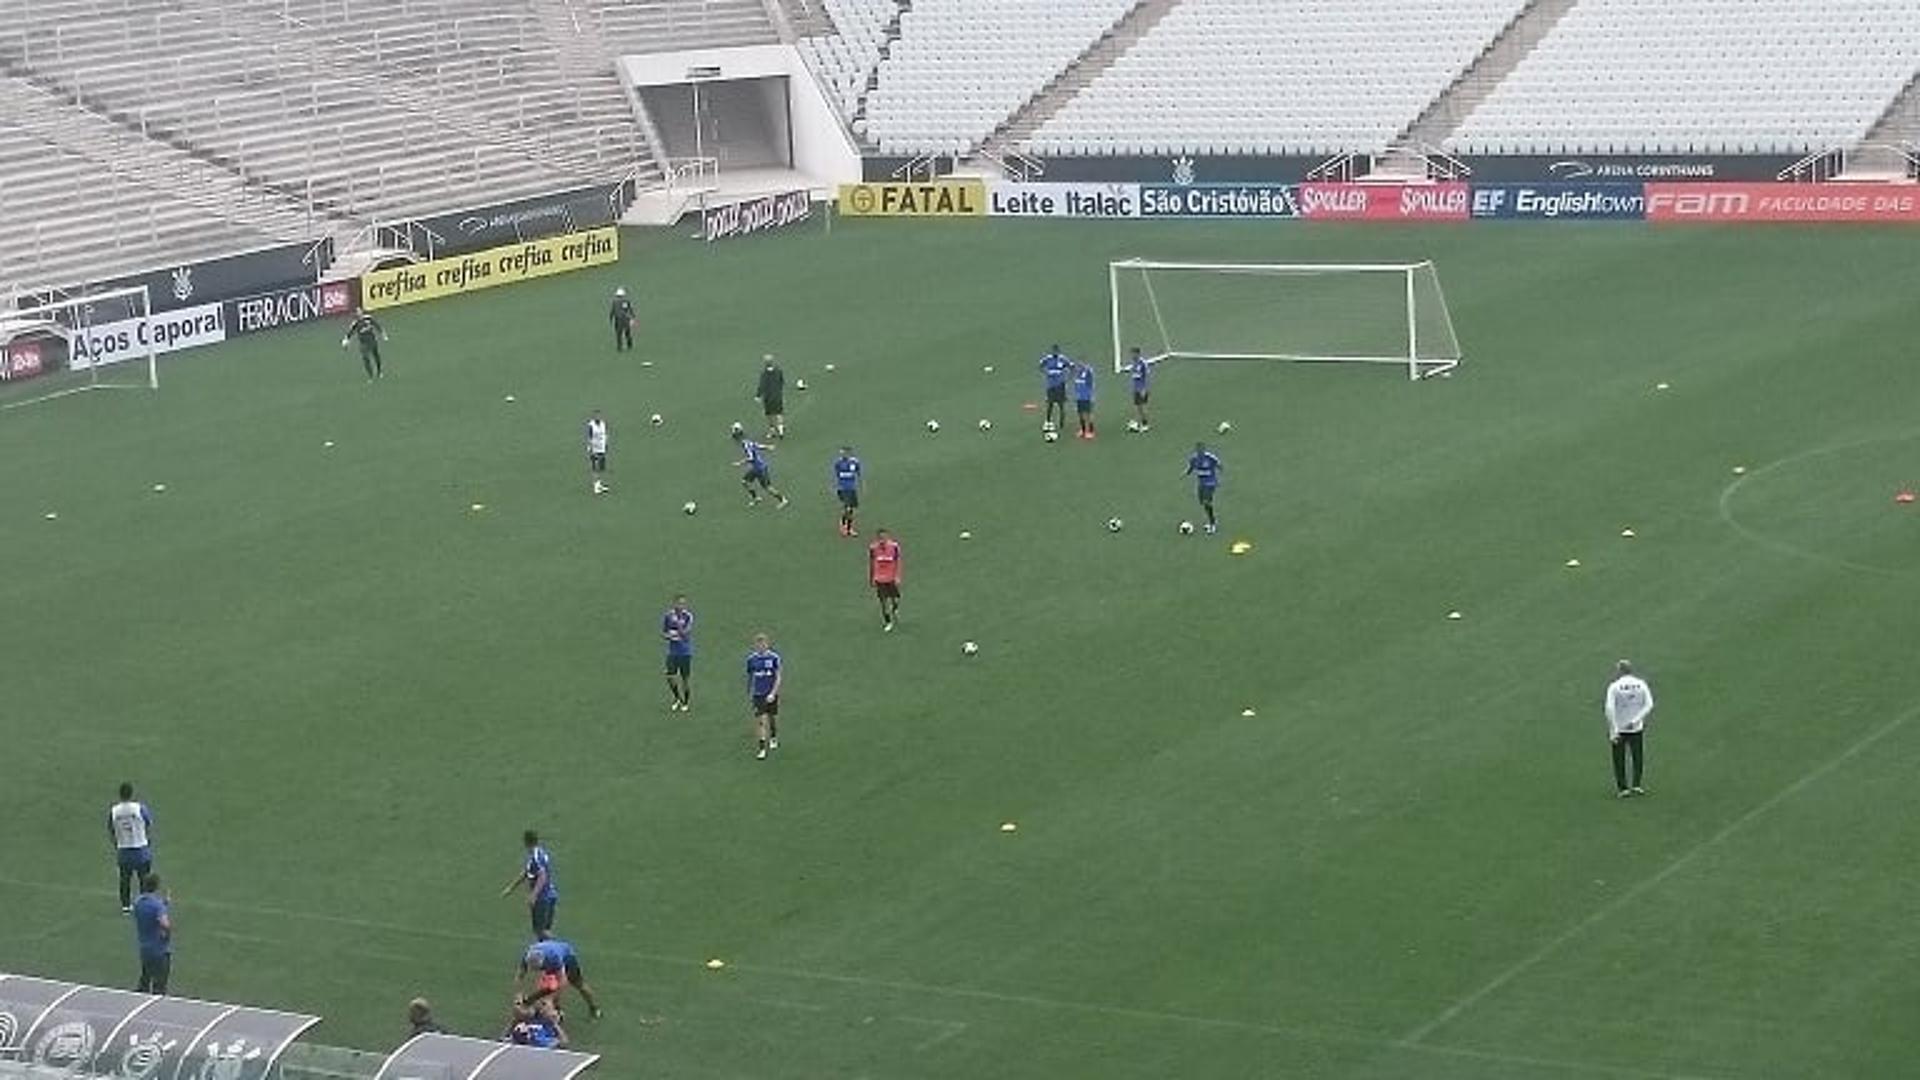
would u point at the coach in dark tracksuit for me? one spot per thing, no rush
(773, 398)
(621, 315)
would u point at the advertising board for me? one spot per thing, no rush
(1064, 200)
(510, 265)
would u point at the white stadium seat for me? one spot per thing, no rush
(1288, 76)
(1703, 77)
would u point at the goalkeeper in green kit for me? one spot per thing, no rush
(367, 331)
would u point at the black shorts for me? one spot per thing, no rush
(1056, 395)
(766, 707)
(1082, 406)
(850, 499)
(597, 462)
(574, 978)
(774, 406)
(887, 590)
(680, 665)
(1139, 397)
(760, 476)
(540, 914)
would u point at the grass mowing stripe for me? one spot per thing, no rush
(1680, 862)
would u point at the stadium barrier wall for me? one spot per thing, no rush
(493, 267)
(208, 281)
(938, 198)
(514, 221)
(764, 214)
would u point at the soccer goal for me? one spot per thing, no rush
(97, 341)
(1370, 313)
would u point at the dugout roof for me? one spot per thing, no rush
(94, 1030)
(452, 1057)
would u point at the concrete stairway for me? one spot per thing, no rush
(1013, 132)
(590, 65)
(1900, 124)
(891, 34)
(1444, 115)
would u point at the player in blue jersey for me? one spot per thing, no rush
(1083, 398)
(754, 461)
(846, 485)
(676, 628)
(1140, 374)
(153, 929)
(1205, 468)
(553, 963)
(537, 875)
(1055, 368)
(764, 679)
(536, 1025)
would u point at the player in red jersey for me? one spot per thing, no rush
(883, 569)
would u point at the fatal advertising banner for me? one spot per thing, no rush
(1051, 200)
(488, 269)
(763, 214)
(938, 198)
(1782, 202)
(1384, 202)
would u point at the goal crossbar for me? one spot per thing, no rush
(1313, 312)
(89, 363)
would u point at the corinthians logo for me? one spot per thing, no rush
(143, 1057)
(1183, 170)
(66, 1046)
(183, 282)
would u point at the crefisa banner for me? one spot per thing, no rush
(764, 214)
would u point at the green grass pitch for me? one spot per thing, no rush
(346, 693)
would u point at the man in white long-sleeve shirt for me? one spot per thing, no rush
(1629, 703)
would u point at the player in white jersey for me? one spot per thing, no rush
(128, 825)
(597, 452)
(1629, 702)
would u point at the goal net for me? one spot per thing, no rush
(56, 347)
(1376, 313)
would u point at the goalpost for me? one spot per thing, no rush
(95, 341)
(1371, 313)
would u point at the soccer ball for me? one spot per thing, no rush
(656, 420)
(933, 426)
(690, 509)
(1225, 426)
(1186, 528)
(968, 648)
(1115, 524)
(1051, 436)
(737, 430)
(986, 425)
(1133, 425)
(799, 384)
